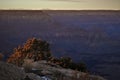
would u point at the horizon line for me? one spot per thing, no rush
(67, 9)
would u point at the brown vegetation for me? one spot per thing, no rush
(37, 50)
(32, 49)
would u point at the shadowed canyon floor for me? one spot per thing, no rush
(89, 36)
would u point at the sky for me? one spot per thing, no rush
(61, 4)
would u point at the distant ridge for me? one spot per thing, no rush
(62, 11)
(51, 10)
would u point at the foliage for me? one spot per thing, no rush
(66, 62)
(39, 50)
(32, 49)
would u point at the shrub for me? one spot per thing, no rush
(32, 49)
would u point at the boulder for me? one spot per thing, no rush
(11, 72)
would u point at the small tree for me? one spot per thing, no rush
(82, 67)
(65, 62)
(32, 49)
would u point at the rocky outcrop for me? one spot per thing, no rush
(42, 70)
(10, 72)
(53, 71)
